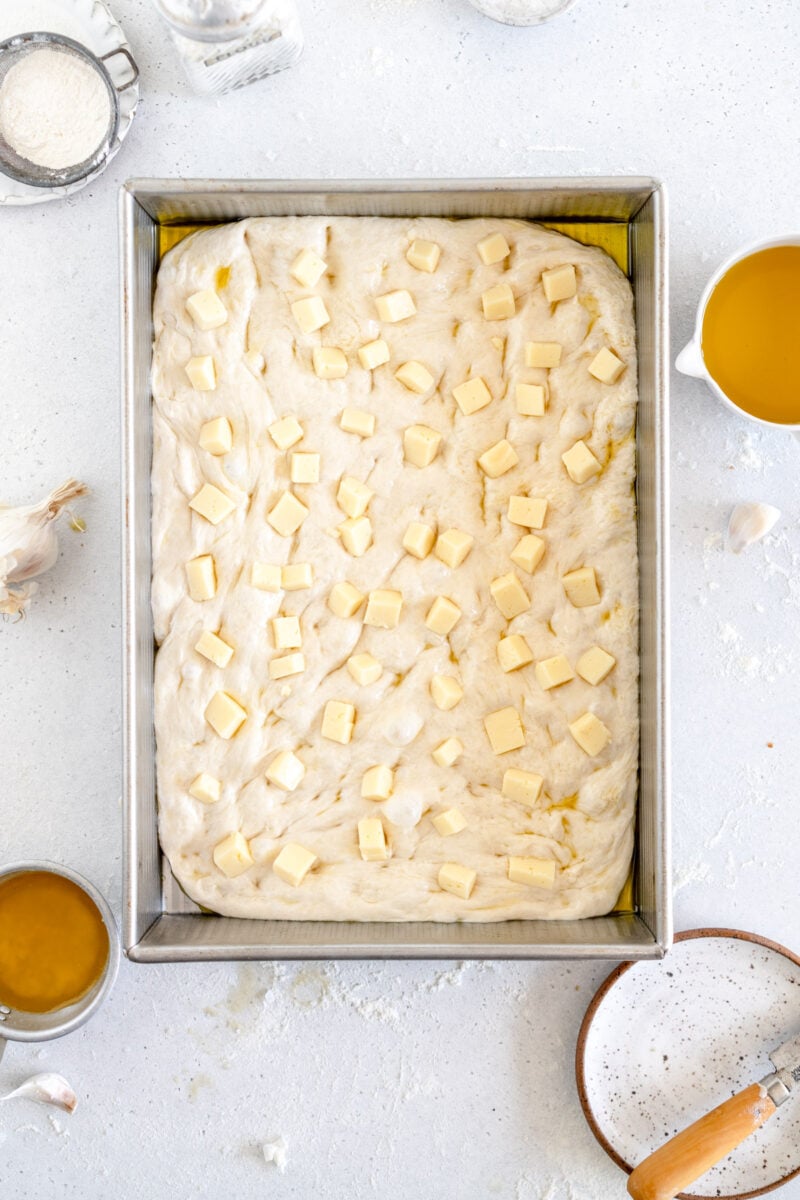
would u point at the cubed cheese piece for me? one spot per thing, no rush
(287, 514)
(310, 314)
(373, 354)
(356, 535)
(514, 652)
(498, 302)
(418, 539)
(377, 783)
(202, 373)
(528, 552)
(372, 840)
(201, 578)
(286, 432)
(421, 445)
(552, 672)
(364, 668)
(457, 879)
(504, 730)
(581, 587)
(304, 467)
(338, 721)
(524, 787)
(531, 399)
(293, 863)
(472, 395)
(383, 608)
(446, 692)
(606, 367)
(212, 504)
(498, 343)
(216, 436)
(529, 511)
(207, 310)
(224, 714)
(493, 249)
(329, 362)
(443, 615)
(590, 733)
(581, 464)
(414, 376)
(353, 496)
(205, 788)
(453, 546)
(355, 420)
(448, 752)
(287, 664)
(449, 822)
(594, 665)
(295, 577)
(535, 872)
(214, 648)
(232, 855)
(266, 577)
(308, 268)
(498, 459)
(344, 599)
(286, 633)
(509, 595)
(254, 361)
(560, 283)
(286, 771)
(424, 255)
(395, 306)
(542, 354)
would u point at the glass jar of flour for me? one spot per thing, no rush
(225, 44)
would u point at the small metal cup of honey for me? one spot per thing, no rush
(59, 951)
(745, 344)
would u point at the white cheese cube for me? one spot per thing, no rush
(446, 692)
(372, 840)
(414, 376)
(535, 872)
(310, 314)
(472, 395)
(528, 552)
(373, 354)
(225, 715)
(443, 615)
(202, 373)
(581, 464)
(528, 511)
(531, 399)
(493, 249)
(364, 668)
(457, 879)
(329, 362)
(286, 633)
(424, 255)
(377, 783)
(293, 863)
(287, 514)
(421, 445)
(214, 648)
(216, 436)
(504, 730)
(606, 366)
(212, 504)
(498, 302)
(449, 822)
(356, 535)
(418, 539)
(552, 672)
(590, 733)
(266, 577)
(448, 752)
(286, 432)
(207, 310)
(353, 496)
(513, 652)
(201, 578)
(355, 420)
(395, 306)
(524, 787)
(560, 283)
(254, 361)
(595, 664)
(232, 855)
(384, 606)
(509, 595)
(344, 599)
(304, 467)
(308, 268)
(338, 721)
(287, 664)
(453, 546)
(295, 577)
(581, 587)
(205, 788)
(498, 343)
(543, 354)
(498, 459)
(286, 771)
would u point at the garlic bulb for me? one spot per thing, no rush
(46, 1088)
(28, 545)
(749, 523)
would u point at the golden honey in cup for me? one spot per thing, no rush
(751, 334)
(53, 942)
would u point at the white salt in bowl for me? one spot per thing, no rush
(522, 12)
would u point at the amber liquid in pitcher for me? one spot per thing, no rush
(751, 334)
(53, 942)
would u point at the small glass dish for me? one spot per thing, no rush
(21, 169)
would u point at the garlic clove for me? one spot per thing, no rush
(749, 523)
(28, 545)
(46, 1088)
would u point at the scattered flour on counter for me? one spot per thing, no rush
(698, 871)
(276, 1153)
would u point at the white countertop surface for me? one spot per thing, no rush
(389, 1080)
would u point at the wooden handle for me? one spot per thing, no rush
(687, 1156)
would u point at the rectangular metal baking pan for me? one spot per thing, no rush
(160, 923)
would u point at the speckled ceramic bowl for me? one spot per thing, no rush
(664, 1042)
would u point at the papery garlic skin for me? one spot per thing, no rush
(46, 1088)
(749, 523)
(29, 546)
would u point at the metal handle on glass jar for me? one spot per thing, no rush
(131, 63)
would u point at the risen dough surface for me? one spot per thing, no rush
(584, 817)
